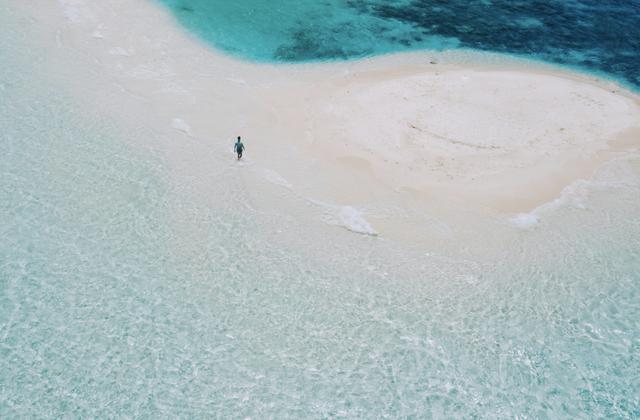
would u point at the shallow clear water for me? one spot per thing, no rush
(122, 295)
(599, 36)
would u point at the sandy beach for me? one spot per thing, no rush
(440, 235)
(422, 131)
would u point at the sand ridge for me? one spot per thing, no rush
(409, 129)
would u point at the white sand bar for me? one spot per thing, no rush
(401, 128)
(509, 138)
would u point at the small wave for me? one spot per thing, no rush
(181, 125)
(275, 178)
(347, 217)
(353, 220)
(70, 11)
(614, 174)
(574, 194)
(525, 220)
(122, 52)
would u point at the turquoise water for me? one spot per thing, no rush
(123, 295)
(598, 36)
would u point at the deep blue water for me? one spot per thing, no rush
(601, 36)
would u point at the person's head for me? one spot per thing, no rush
(238, 138)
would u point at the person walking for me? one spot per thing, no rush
(239, 148)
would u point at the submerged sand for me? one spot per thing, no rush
(419, 132)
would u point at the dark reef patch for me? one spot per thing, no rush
(598, 35)
(187, 9)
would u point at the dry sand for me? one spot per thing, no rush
(396, 129)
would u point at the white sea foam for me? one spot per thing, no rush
(124, 52)
(72, 11)
(181, 125)
(347, 217)
(275, 178)
(72, 14)
(574, 195)
(614, 174)
(352, 219)
(97, 33)
(525, 220)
